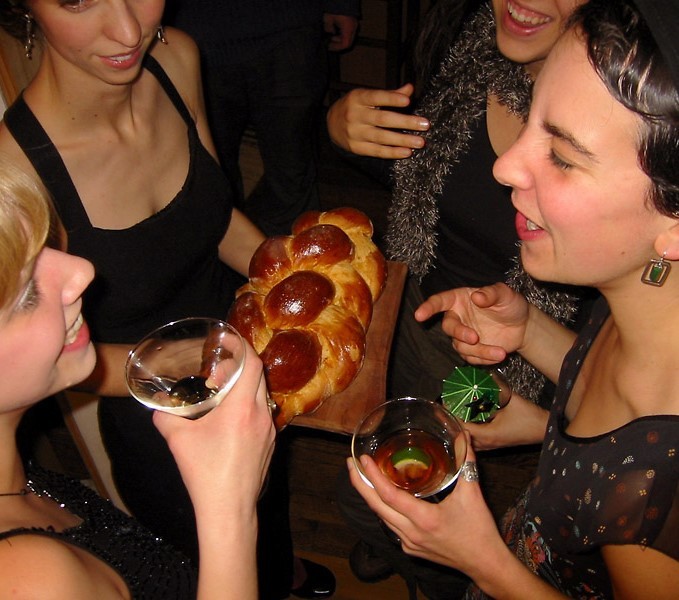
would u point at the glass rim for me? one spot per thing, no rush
(178, 410)
(439, 407)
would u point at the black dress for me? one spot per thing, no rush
(151, 569)
(161, 269)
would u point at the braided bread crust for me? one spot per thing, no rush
(307, 307)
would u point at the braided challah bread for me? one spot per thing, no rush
(307, 307)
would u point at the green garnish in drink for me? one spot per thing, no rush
(410, 456)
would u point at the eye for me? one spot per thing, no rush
(558, 162)
(75, 5)
(30, 297)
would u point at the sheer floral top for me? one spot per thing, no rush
(613, 489)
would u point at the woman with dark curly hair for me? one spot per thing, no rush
(596, 195)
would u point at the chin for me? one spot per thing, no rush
(79, 369)
(521, 52)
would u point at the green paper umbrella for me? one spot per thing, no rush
(471, 394)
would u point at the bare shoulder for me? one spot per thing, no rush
(180, 59)
(641, 572)
(34, 566)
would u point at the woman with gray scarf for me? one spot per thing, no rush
(450, 221)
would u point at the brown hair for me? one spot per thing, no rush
(626, 56)
(13, 18)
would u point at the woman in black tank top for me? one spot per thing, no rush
(113, 123)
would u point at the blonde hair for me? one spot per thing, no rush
(25, 225)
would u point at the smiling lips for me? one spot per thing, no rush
(123, 61)
(526, 18)
(73, 330)
(525, 228)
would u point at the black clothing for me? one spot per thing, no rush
(161, 269)
(265, 66)
(616, 488)
(230, 32)
(475, 233)
(151, 569)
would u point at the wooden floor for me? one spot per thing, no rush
(317, 458)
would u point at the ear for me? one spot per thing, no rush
(667, 242)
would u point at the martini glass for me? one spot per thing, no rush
(186, 367)
(416, 443)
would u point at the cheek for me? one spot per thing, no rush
(67, 40)
(151, 12)
(28, 372)
(566, 7)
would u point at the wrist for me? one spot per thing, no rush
(532, 314)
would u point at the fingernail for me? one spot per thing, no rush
(424, 124)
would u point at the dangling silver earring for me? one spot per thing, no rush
(161, 35)
(656, 271)
(30, 36)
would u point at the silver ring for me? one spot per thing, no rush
(271, 403)
(469, 471)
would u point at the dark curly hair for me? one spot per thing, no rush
(440, 28)
(13, 18)
(625, 55)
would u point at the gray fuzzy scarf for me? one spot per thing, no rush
(453, 103)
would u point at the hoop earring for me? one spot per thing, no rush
(656, 271)
(161, 35)
(30, 36)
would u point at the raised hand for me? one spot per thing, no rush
(224, 456)
(359, 123)
(485, 323)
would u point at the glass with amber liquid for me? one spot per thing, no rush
(416, 443)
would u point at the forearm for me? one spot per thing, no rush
(546, 343)
(240, 242)
(108, 377)
(513, 580)
(228, 559)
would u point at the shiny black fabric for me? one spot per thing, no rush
(151, 568)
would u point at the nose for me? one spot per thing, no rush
(77, 274)
(510, 168)
(123, 26)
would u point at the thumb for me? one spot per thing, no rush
(485, 297)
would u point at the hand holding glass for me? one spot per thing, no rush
(186, 367)
(416, 443)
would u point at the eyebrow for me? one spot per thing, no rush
(559, 133)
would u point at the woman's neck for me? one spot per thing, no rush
(77, 99)
(12, 474)
(640, 345)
